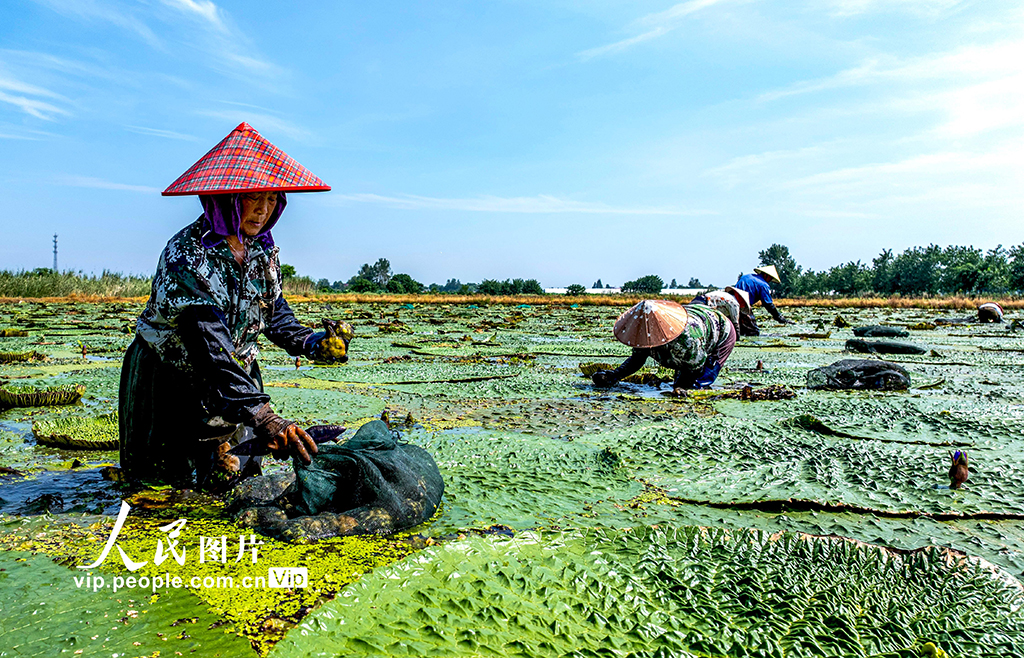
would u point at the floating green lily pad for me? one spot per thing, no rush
(28, 396)
(689, 591)
(76, 433)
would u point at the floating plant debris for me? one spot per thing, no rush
(21, 357)
(97, 433)
(27, 396)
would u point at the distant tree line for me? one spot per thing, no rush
(379, 278)
(916, 272)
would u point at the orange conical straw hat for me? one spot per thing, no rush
(651, 323)
(245, 161)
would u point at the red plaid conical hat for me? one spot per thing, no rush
(245, 161)
(650, 323)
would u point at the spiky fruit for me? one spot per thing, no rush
(333, 346)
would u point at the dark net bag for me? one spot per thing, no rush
(370, 484)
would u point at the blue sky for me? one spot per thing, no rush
(563, 141)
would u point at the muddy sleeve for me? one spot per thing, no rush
(225, 388)
(285, 331)
(635, 361)
(774, 311)
(686, 379)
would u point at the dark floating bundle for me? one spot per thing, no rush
(879, 331)
(860, 374)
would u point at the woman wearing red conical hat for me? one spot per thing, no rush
(190, 383)
(694, 340)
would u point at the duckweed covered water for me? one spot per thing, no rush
(630, 511)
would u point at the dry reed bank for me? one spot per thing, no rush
(954, 303)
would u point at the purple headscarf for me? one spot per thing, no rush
(223, 214)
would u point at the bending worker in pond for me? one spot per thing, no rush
(694, 340)
(190, 383)
(756, 285)
(990, 312)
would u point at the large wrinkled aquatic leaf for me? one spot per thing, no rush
(682, 592)
(45, 614)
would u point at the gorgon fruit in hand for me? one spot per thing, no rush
(334, 346)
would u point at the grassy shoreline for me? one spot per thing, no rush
(938, 303)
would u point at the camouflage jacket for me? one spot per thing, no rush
(688, 354)
(247, 299)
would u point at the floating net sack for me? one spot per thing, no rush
(883, 347)
(97, 433)
(860, 374)
(370, 484)
(26, 396)
(879, 331)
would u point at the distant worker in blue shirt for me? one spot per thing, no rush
(756, 285)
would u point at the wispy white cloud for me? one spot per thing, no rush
(21, 97)
(230, 49)
(977, 88)
(157, 132)
(987, 61)
(656, 25)
(261, 122)
(920, 7)
(201, 9)
(532, 205)
(100, 184)
(619, 46)
(91, 10)
(13, 84)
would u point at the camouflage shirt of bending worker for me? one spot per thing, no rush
(705, 329)
(190, 274)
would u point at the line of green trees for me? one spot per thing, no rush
(379, 278)
(916, 272)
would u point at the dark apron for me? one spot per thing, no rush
(165, 438)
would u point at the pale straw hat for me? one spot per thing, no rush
(651, 323)
(769, 271)
(742, 296)
(726, 303)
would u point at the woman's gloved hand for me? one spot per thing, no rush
(283, 437)
(293, 441)
(331, 344)
(603, 378)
